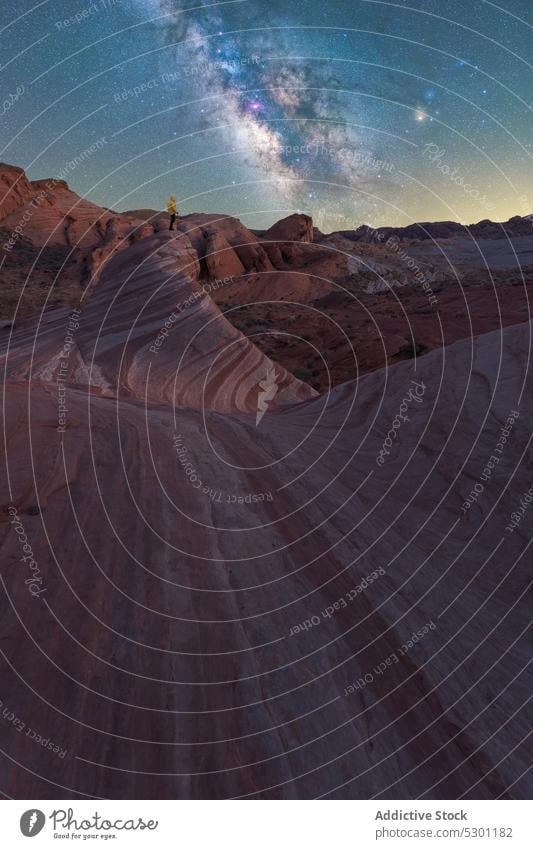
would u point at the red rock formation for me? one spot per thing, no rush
(15, 189)
(294, 228)
(220, 258)
(52, 236)
(225, 587)
(281, 241)
(49, 213)
(175, 638)
(354, 305)
(226, 246)
(151, 331)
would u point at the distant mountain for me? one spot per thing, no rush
(485, 229)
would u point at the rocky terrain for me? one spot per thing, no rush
(341, 306)
(220, 581)
(53, 243)
(326, 307)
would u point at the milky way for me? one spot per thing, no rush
(352, 111)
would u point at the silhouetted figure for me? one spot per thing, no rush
(172, 211)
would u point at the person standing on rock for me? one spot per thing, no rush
(172, 211)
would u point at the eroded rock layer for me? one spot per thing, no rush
(219, 604)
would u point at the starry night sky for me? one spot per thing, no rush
(351, 110)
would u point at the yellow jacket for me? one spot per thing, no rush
(171, 206)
